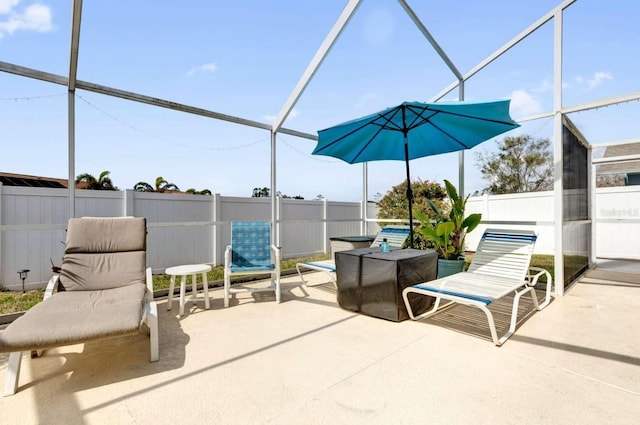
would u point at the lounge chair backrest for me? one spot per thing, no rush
(251, 244)
(104, 253)
(505, 253)
(395, 235)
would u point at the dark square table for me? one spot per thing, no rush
(371, 282)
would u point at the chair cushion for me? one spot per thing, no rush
(74, 317)
(104, 253)
(99, 235)
(91, 272)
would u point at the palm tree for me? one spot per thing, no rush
(164, 186)
(88, 181)
(143, 187)
(161, 186)
(260, 192)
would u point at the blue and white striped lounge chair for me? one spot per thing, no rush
(396, 235)
(251, 252)
(499, 267)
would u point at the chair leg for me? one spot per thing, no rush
(492, 325)
(205, 289)
(172, 283)
(431, 311)
(300, 274)
(227, 284)
(13, 373)
(514, 312)
(152, 322)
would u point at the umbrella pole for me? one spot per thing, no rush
(409, 191)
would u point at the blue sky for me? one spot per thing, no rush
(244, 58)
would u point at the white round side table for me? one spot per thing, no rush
(184, 271)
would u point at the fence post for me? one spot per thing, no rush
(279, 222)
(325, 225)
(128, 207)
(218, 251)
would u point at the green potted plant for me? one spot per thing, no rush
(447, 232)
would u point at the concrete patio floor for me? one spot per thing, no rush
(307, 361)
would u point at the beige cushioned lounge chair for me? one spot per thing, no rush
(103, 291)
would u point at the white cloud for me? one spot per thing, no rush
(7, 6)
(598, 78)
(594, 81)
(524, 104)
(272, 118)
(35, 17)
(208, 68)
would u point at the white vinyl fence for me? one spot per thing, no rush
(616, 213)
(182, 228)
(187, 229)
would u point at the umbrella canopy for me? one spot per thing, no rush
(414, 130)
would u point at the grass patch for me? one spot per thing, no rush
(13, 302)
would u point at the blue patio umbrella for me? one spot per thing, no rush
(414, 130)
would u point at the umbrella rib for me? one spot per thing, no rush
(457, 114)
(448, 135)
(419, 116)
(424, 120)
(365, 124)
(388, 120)
(385, 126)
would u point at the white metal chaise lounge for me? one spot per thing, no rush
(396, 235)
(104, 290)
(499, 267)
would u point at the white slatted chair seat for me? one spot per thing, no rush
(395, 235)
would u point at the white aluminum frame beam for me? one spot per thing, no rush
(76, 18)
(324, 49)
(425, 32)
(558, 207)
(517, 39)
(140, 98)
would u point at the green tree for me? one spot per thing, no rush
(393, 205)
(88, 181)
(522, 164)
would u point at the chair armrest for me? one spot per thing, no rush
(52, 286)
(533, 280)
(227, 257)
(276, 256)
(149, 282)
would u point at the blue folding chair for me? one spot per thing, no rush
(251, 252)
